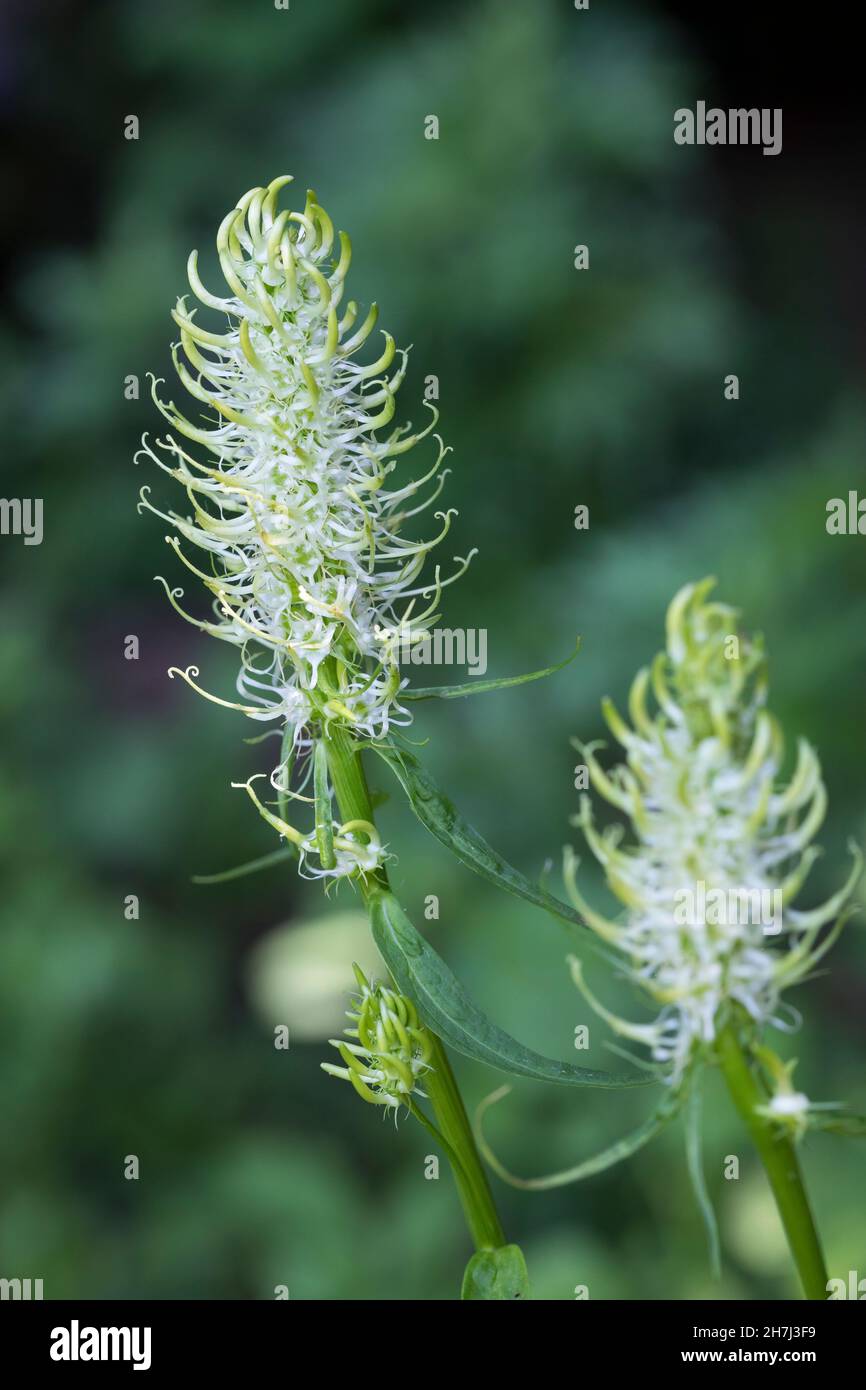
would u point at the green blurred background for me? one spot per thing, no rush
(557, 387)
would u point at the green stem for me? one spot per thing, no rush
(780, 1161)
(353, 799)
(473, 1187)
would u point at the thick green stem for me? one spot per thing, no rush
(472, 1185)
(780, 1161)
(350, 784)
(353, 799)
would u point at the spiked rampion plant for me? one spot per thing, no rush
(707, 932)
(297, 503)
(295, 527)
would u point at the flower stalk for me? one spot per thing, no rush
(778, 1154)
(476, 1198)
(297, 529)
(473, 1187)
(705, 925)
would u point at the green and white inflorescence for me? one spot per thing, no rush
(720, 848)
(292, 525)
(390, 1049)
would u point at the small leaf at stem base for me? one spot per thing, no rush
(496, 1275)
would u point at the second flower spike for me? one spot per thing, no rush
(720, 848)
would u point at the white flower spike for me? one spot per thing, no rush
(720, 848)
(706, 932)
(297, 535)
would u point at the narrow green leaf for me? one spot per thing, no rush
(478, 687)
(276, 856)
(694, 1158)
(322, 797)
(838, 1122)
(615, 1153)
(440, 816)
(496, 1275)
(448, 1011)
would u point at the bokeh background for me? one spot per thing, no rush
(154, 1037)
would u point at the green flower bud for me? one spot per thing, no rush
(390, 1048)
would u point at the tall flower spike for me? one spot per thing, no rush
(720, 848)
(296, 535)
(390, 1049)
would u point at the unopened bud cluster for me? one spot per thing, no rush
(389, 1048)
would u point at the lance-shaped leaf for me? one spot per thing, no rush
(277, 856)
(448, 1011)
(666, 1111)
(838, 1122)
(694, 1159)
(438, 814)
(478, 687)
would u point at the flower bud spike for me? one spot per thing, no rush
(290, 501)
(721, 850)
